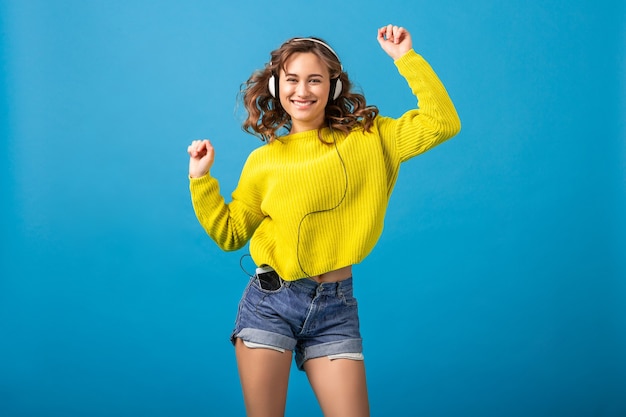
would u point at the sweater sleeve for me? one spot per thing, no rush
(230, 225)
(435, 119)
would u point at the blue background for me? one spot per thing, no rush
(497, 289)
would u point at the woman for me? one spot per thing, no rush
(312, 201)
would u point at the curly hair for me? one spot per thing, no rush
(266, 117)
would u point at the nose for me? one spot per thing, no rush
(302, 89)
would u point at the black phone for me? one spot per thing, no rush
(268, 279)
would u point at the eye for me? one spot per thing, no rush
(315, 80)
(291, 80)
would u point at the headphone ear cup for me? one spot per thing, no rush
(338, 88)
(272, 85)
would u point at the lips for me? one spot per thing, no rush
(303, 103)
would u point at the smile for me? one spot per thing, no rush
(303, 103)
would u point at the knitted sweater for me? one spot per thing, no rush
(308, 207)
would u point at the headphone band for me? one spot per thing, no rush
(324, 44)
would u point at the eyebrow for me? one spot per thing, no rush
(288, 74)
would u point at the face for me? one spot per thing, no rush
(304, 87)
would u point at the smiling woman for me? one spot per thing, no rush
(312, 203)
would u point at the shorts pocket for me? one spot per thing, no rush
(269, 282)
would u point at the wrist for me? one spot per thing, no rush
(198, 174)
(400, 54)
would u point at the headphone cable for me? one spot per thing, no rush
(343, 197)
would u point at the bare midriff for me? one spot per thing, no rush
(334, 276)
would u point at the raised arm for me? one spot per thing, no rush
(230, 225)
(435, 119)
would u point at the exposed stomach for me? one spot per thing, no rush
(334, 276)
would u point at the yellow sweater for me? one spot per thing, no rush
(308, 207)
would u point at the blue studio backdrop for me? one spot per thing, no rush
(497, 289)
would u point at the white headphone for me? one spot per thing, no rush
(335, 83)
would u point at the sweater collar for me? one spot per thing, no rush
(306, 135)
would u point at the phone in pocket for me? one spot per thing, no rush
(268, 278)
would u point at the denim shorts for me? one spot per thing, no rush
(309, 318)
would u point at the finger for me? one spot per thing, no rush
(389, 32)
(193, 152)
(397, 34)
(206, 145)
(202, 144)
(197, 147)
(382, 33)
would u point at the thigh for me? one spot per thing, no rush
(264, 375)
(339, 386)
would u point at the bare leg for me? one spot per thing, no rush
(264, 375)
(339, 386)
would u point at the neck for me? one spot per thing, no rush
(300, 127)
